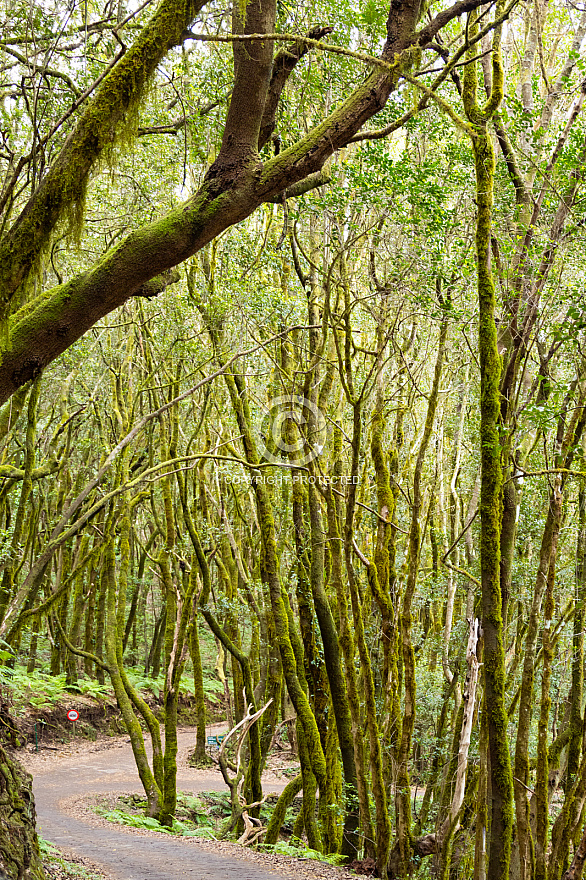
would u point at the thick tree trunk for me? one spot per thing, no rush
(19, 846)
(501, 816)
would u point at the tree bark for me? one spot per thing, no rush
(500, 778)
(19, 846)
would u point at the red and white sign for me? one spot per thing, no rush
(73, 714)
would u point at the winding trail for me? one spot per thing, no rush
(58, 780)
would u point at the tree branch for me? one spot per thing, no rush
(61, 191)
(283, 65)
(312, 181)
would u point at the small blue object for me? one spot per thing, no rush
(212, 740)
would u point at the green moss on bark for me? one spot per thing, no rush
(19, 846)
(501, 778)
(278, 815)
(61, 194)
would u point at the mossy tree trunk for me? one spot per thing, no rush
(576, 711)
(385, 465)
(521, 781)
(254, 787)
(19, 846)
(501, 779)
(77, 611)
(383, 823)
(152, 780)
(198, 688)
(542, 775)
(348, 648)
(193, 632)
(567, 437)
(316, 757)
(7, 583)
(332, 662)
(404, 830)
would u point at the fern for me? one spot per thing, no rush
(53, 859)
(298, 850)
(180, 828)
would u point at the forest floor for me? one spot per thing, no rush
(67, 782)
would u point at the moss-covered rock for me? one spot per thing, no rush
(19, 846)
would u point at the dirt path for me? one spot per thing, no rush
(64, 780)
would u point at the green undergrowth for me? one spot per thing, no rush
(40, 690)
(212, 688)
(192, 816)
(203, 815)
(200, 763)
(296, 849)
(60, 867)
(183, 829)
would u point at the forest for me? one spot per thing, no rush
(293, 357)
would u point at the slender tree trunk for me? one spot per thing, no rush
(404, 830)
(198, 690)
(542, 778)
(383, 825)
(348, 649)
(521, 782)
(576, 696)
(152, 789)
(500, 780)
